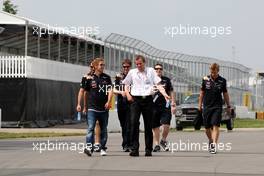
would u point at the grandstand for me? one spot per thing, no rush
(40, 71)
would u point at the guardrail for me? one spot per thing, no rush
(12, 67)
(32, 67)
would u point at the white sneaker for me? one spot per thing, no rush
(103, 152)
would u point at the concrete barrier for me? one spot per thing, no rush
(243, 113)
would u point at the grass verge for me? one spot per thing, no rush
(239, 123)
(249, 123)
(7, 135)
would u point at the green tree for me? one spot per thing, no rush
(9, 7)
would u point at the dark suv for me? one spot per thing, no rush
(188, 111)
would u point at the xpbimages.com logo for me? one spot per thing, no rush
(196, 146)
(142, 88)
(60, 146)
(80, 30)
(179, 146)
(212, 31)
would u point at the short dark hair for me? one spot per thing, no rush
(127, 61)
(141, 57)
(158, 64)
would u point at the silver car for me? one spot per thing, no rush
(187, 112)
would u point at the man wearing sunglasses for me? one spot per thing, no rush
(162, 112)
(123, 110)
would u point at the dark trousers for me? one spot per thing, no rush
(123, 112)
(144, 106)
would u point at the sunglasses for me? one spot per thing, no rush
(102, 64)
(158, 68)
(126, 66)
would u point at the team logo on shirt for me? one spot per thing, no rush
(219, 86)
(104, 82)
(94, 84)
(208, 85)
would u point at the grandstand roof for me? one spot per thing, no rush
(7, 18)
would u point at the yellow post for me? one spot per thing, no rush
(113, 103)
(247, 99)
(188, 93)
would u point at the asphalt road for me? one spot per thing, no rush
(242, 153)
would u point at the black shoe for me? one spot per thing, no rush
(88, 152)
(126, 149)
(148, 153)
(156, 148)
(134, 153)
(213, 148)
(164, 145)
(209, 146)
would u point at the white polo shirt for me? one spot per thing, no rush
(142, 82)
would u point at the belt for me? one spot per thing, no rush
(142, 97)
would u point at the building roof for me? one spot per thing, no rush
(7, 18)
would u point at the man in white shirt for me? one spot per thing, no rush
(141, 83)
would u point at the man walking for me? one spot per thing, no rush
(123, 109)
(82, 94)
(99, 100)
(213, 86)
(141, 80)
(162, 111)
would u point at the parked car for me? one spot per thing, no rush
(188, 111)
